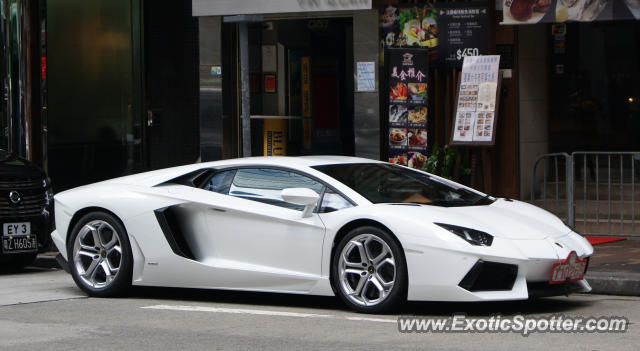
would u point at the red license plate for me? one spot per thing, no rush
(570, 270)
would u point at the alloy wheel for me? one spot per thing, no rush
(367, 270)
(97, 254)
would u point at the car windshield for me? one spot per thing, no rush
(387, 183)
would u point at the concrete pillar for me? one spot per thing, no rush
(210, 88)
(534, 102)
(366, 119)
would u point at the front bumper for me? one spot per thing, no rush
(437, 274)
(41, 226)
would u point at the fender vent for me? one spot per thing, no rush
(169, 223)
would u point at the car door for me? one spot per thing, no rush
(255, 231)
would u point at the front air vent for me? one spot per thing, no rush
(490, 276)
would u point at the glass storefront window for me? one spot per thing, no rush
(94, 132)
(594, 90)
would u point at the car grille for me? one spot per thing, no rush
(21, 183)
(32, 193)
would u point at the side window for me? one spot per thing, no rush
(220, 182)
(333, 202)
(265, 185)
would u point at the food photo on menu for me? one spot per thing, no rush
(398, 92)
(398, 157)
(398, 114)
(418, 115)
(526, 11)
(416, 159)
(634, 7)
(579, 10)
(417, 137)
(418, 91)
(558, 11)
(413, 26)
(398, 137)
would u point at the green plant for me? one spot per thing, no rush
(431, 165)
(441, 161)
(404, 17)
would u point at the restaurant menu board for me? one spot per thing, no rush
(558, 11)
(477, 101)
(406, 106)
(451, 30)
(465, 27)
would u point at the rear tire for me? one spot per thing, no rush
(369, 271)
(99, 255)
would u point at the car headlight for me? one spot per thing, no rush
(472, 236)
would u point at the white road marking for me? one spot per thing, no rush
(237, 311)
(378, 320)
(263, 312)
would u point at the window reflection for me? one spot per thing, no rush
(266, 185)
(332, 202)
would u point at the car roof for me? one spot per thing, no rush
(163, 175)
(299, 161)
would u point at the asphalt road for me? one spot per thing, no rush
(42, 309)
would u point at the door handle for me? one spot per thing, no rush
(149, 118)
(153, 116)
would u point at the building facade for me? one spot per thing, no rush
(121, 86)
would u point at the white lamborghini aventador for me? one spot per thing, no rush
(372, 233)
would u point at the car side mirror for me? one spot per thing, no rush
(301, 196)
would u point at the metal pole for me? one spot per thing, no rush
(244, 78)
(569, 189)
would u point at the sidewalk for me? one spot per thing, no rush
(614, 268)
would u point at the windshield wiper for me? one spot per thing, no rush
(481, 200)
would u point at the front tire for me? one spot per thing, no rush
(99, 255)
(368, 271)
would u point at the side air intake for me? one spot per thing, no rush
(170, 225)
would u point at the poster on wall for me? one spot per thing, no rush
(477, 101)
(366, 76)
(274, 137)
(558, 11)
(406, 106)
(450, 30)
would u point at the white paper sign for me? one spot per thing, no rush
(476, 105)
(269, 58)
(366, 76)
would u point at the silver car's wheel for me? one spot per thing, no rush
(367, 270)
(97, 254)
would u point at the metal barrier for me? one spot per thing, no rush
(567, 175)
(598, 194)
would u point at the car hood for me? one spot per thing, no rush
(503, 218)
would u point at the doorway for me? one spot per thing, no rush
(171, 96)
(301, 87)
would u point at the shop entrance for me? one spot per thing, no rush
(170, 86)
(122, 88)
(301, 88)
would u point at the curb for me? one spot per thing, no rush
(610, 283)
